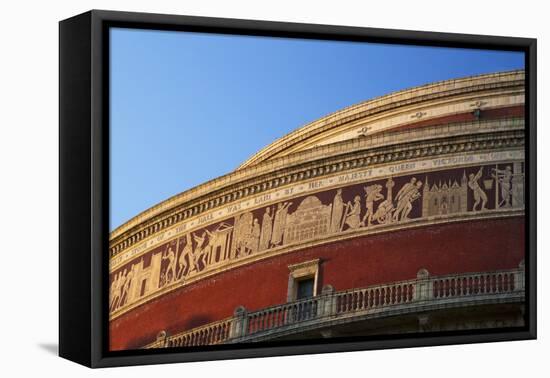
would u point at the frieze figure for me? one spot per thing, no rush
(119, 290)
(503, 178)
(384, 212)
(202, 250)
(479, 194)
(353, 213)
(337, 212)
(170, 271)
(253, 242)
(246, 235)
(405, 189)
(405, 197)
(114, 292)
(185, 260)
(127, 284)
(279, 223)
(373, 193)
(267, 224)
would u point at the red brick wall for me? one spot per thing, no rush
(486, 114)
(443, 249)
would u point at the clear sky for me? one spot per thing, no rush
(189, 107)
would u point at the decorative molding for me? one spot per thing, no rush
(412, 97)
(418, 115)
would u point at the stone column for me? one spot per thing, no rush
(239, 324)
(423, 289)
(162, 338)
(327, 301)
(519, 278)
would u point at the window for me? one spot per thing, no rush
(302, 280)
(305, 288)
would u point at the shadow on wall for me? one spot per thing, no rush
(197, 321)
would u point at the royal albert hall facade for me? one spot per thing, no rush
(401, 214)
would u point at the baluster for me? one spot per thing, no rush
(276, 317)
(217, 333)
(253, 324)
(345, 302)
(481, 284)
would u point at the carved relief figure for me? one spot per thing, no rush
(384, 213)
(405, 188)
(353, 213)
(114, 293)
(120, 289)
(246, 235)
(372, 194)
(337, 212)
(503, 178)
(267, 224)
(202, 250)
(405, 197)
(185, 260)
(479, 194)
(170, 271)
(128, 282)
(279, 223)
(253, 242)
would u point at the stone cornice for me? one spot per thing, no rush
(399, 100)
(337, 157)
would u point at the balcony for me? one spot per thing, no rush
(331, 308)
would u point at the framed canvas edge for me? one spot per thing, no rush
(98, 135)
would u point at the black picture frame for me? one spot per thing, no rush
(84, 184)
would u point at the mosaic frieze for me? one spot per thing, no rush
(317, 216)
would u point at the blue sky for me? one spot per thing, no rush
(189, 107)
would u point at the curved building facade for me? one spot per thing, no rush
(401, 214)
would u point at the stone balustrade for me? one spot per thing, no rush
(330, 306)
